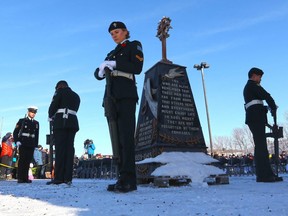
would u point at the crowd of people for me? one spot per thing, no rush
(9, 159)
(21, 151)
(241, 164)
(40, 165)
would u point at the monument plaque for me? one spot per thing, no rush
(168, 118)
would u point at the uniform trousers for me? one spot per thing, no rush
(64, 154)
(25, 158)
(262, 163)
(126, 128)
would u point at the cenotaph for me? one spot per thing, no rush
(168, 119)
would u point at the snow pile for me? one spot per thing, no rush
(194, 165)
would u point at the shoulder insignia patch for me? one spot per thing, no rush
(139, 58)
(139, 48)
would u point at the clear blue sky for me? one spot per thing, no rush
(43, 42)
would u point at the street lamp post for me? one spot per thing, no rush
(201, 68)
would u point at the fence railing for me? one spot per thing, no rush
(101, 168)
(106, 168)
(244, 169)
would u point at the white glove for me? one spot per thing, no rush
(109, 64)
(101, 73)
(18, 143)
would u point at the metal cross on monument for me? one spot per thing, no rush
(162, 34)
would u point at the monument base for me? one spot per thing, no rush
(180, 168)
(217, 179)
(144, 177)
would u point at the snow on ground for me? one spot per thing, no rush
(88, 197)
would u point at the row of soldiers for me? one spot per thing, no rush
(63, 118)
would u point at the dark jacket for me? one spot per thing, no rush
(30, 127)
(64, 98)
(257, 113)
(129, 59)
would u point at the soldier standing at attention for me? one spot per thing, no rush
(256, 119)
(125, 61)
(63, 113)
(26, 136)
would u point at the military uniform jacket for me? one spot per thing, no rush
(29, 134)
(64, 98)
(129, 59)
(257, 113)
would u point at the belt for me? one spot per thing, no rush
(122, 74)
(253, 102)
(66, 112)
(28, 135)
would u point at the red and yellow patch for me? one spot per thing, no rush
(139, 58)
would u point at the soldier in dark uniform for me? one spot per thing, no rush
(125, 61)
(26, 136)
(256, 119)
(63, 113)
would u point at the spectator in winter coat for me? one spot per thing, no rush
(38, 160)
(6, 156)
(89, 147)
(45, 159)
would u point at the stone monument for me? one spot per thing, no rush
(168, 119)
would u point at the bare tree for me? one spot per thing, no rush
(223, 144)
(249, 137)
(283, 142)
(242, 141)
(239, 139)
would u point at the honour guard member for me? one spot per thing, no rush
(26, 136)
(63, 113)
(125, 61)
(256, 119)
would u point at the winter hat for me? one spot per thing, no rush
(6, 137)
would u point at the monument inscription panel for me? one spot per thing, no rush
(168, 118)
(177, 109)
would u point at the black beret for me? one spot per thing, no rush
(256, 71)
(61, 83)
(116, 25)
